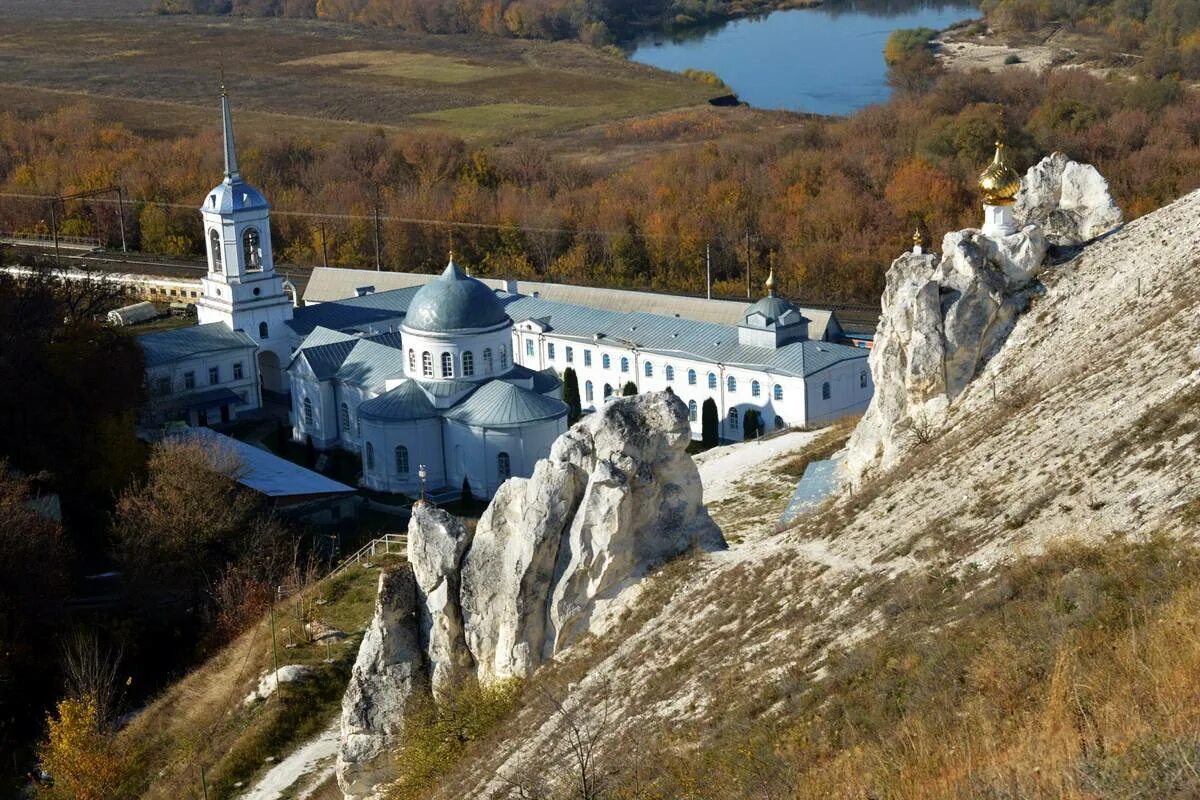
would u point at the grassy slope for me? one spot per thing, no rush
(1009, 613)
(201, 722)
(322, 79)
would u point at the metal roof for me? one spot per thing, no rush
(454, 301)
(544, 381)
(654, 333)
(267, 473)
(332, 283)
(498, 404)
(363, 361)
(177, 344)
(405, 402)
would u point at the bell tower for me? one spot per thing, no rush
(241, 288)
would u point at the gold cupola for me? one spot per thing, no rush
(999, 183)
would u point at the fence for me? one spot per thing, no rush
(388, 544)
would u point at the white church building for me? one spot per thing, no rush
(462, 378)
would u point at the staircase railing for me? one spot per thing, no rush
(388, 544)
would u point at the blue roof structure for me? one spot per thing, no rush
(454, 301)
(502, 405)
(267, 473)
(405, 402)
(177, 344)
(650, 333)
(772, 307)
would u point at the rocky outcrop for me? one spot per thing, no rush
(944, 318)
(618, 496)
(269, 683)
(1069, 201)
(388, 677)
(437, 542)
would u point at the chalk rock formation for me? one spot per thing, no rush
(618, 495)
(270, 682)
(388, 677)
(1068, 200)
(942, 320)
(437, 542)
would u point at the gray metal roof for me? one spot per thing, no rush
(449, 388)
(234, 195)
(363, 361)
(321, 335)
(672, 336)
(655, 333)
(375, 312)
(405, 402)
(332, 283)
(266, 472)
(454, 301)
(498, 404)
(164, 347)
(772, 307)
(544, 381)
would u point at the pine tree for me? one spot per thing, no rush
(570, 395)
(629, 389)
(709, 420)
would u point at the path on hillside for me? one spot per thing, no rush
(310, 765)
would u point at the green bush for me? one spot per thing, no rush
(905, 42)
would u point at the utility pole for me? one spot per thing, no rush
(203, 783)
(54, 230)
(324, 251)
(748, 297)
(121, 217)
(378, 267)
(708, 268)
(274, 646)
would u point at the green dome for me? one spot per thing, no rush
(454, 301)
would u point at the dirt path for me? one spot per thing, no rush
(307, 767)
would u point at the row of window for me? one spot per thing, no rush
(152, 290)
(251, 250)
(189, 378)
(503, 462)
(734, 417)
(465, 366)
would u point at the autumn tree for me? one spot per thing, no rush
(80, 754)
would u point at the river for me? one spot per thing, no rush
(825, 60)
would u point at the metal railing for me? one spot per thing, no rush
(82, 241)
(388, 544)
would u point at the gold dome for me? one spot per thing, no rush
(770, 284)
(999, 182)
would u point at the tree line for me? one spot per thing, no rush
(835, 199)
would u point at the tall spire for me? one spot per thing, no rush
(231, 165)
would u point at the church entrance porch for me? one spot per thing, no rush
(271, 374)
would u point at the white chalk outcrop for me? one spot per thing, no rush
(389, 675)
(944, 318)
(618, 496)
(1069, 201)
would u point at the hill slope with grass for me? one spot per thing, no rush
(1008, 612)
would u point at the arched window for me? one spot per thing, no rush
(778, 392)
(370, 455)
(587, 391)
(214, 242)
(825, 391)
(670, 373)
(487, 361)
(402, 459)
(692, 409)
(755, 388)
(649, 370)
(731, 384)
(779, 423)
(426, 365)
(712, 380)
(412, 360)
(345, 418)
(691, 377)
(447, 365)
(624, 364)
(503, 357)
(503, 466)
(468, 361)
(252, 249)
(262, 330)
(733, 419)
(308, 412)
(607, 391)
(605, 361)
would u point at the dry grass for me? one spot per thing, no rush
(200, 721)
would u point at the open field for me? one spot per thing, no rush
(160, 74)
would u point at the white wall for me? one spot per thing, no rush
(423, 438)
(419, 342)
(167, 406)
